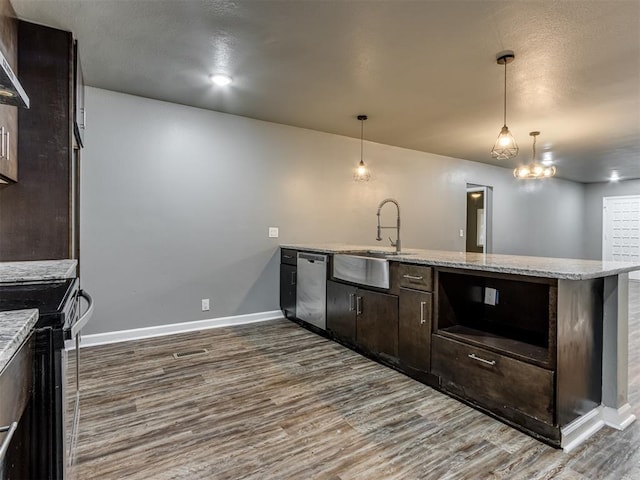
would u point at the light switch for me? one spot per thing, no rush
(273, 232)
(461, 233)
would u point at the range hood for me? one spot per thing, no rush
(11, 92)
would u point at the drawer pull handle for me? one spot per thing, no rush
(475, 357)
(3, 150)
(358, 305)
(422, 318)
(293, 278)
(413, 277)
(287, 256)
(10, 429)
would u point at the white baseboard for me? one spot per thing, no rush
(92, 340)
(618, 418)
(576, 432)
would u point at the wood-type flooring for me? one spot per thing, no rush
(275, 401)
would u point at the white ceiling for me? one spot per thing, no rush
(424, 71)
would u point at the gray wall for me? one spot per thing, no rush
(594, 193)
(176, 202)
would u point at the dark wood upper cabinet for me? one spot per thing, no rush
(8, 113)
(38, 217)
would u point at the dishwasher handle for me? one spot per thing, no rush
(312, 257)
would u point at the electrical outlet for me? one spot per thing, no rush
(273, 232)
(461, 233)
(205, 304)
(490, 296)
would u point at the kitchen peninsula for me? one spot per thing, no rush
(540, 343)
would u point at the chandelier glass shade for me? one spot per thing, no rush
(534, 170)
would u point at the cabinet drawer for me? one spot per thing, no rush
(416, 277)
(499, 383)
(288, 256)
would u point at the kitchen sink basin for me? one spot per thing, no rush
(367, 269)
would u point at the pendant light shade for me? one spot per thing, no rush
(361, 173)
(534, 171)
(505, 146)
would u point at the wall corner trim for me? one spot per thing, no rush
(93, 340)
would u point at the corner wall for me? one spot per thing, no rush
(176, 202)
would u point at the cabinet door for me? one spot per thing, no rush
(8, 113)
(377, 322)
(341, 311)
(288, 289)
(414, 329)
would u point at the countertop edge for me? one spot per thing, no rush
(34, 271)
(591, 269)
(15, 327)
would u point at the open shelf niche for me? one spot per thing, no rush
(521, 324)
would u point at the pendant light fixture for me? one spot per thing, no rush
(361, 173)
(534, 170)
(505, 146)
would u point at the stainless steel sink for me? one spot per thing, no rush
(366, 269)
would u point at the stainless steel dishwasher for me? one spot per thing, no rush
(311, 289)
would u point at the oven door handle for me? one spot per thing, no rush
(82, 321)
(10, 429)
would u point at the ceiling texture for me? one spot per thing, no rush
(424, 72)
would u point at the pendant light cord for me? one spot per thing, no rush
(361, 138)
(505, 93)
(533, 159)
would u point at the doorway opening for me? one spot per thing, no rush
(479, 218)
(621, 230)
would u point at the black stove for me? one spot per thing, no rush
(51, 298)
(58, 320)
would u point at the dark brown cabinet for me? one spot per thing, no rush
(8, 113)
(288, 290)
(363, 318)
(502, 384)
(377, 322)
(341, 311)
(414, 329)
(495, 343)
(39, 213)
(288, 279)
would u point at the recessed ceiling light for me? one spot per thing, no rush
(547, 159)
(221, 79)
(615, 176)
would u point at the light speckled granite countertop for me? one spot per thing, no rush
(15, 327)
(13, 272)
(561, 268)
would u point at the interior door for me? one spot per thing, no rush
(479, 219)
(621, 230)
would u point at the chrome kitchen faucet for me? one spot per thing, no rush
(397, 227)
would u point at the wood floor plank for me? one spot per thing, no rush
(275, 401)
